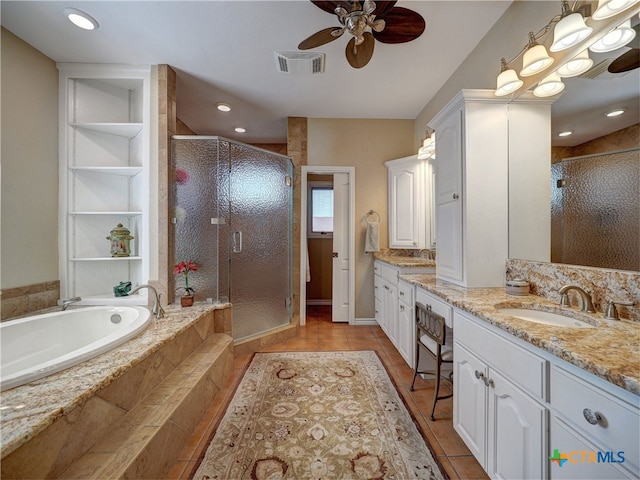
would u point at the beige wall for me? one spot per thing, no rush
(364, 144)
(29, 124)
(481, 68)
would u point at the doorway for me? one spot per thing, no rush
(342, 243)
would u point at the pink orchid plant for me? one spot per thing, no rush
(184, 268)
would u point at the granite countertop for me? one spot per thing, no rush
(404, 261)
(610, 351)
(29, 409)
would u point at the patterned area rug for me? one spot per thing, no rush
(317, 415)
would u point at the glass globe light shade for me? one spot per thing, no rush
(616, 38)
(569, 31)
(609, 8)
(535, 60)
(576, 66)
(549, 86)
(508, 82)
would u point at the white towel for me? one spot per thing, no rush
(372, 237)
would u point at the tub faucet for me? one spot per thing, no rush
(587, 303)
(157, 308)
(69, 301)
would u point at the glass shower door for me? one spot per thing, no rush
(260, 234)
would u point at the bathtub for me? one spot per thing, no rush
(35, 347)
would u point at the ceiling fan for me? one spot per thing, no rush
(371, 21)
(629, 60)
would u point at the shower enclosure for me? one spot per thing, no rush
(233, 216)
(595, 210)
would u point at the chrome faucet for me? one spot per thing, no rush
(157, 308)
(69, 301)
(587, 303)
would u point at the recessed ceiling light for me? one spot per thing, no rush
(240, 129)
(223, 107)
(565, 134)
(81, 19)
(615, 113)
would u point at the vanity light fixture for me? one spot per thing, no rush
(223, 107)
(549, 86)
(240, 129)
(81, 19)
(616, 38)
(428, 148)
(576, 66)
(609, 8)
(535, 59)
(615, 113)
(508, 80)
(565, 134)
(570, 30)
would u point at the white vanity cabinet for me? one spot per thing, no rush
(479, 142)
(409, 203)
(104, 178)
(594, 425)
(394, 306)
(499, 396)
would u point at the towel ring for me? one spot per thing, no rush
(372, 212)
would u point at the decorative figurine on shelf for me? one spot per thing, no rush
(122, 289)
(184, 268)
(120, 238)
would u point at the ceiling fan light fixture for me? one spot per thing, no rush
(615, 113)
(609, 8)
(616, 38)
(576, 66)
(223, 107)
(81, 19)
(570, 30)
(508, 80)
(549, 86)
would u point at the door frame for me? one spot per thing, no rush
(327, 170)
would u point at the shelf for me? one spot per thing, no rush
(104, 259)
(128, 130)
(124, 171)
(123, 214)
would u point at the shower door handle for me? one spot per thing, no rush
(237, 242)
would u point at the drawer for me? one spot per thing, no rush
(619, 427)
(405, 293)
(437, 305)
(521, 366)
(389, 273)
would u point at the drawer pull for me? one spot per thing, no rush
(592, 417)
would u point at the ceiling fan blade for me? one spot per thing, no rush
(320, 38)
(625, 62)
(329, 7)
(359, 56)
(403, 25)
(383, 7)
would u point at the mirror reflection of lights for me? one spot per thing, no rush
(565, 134)
(615, 113)
(240, 129)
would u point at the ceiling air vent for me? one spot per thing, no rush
(305, 63)
(599, 71)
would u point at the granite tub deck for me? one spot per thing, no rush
(126, 413)
(610, 351)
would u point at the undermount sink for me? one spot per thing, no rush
(547, 318)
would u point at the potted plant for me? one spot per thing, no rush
(184, 268)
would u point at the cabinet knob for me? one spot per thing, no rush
(456, 196)
(402, 294)
(488, 382)
(592, 417)
(479, 375)
(402, 308)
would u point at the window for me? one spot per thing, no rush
(320, 215)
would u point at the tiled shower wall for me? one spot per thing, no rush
(30, 298)
(602, 284)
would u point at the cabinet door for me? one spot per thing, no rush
(449, 196)
(516, 432)
(406, 333)
(406, 227)
(470, 401)
(391, 312)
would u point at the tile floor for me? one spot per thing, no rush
(320, 334)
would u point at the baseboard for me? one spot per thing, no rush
(319, 302)
(365, 321)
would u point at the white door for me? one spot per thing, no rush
(340, 286)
